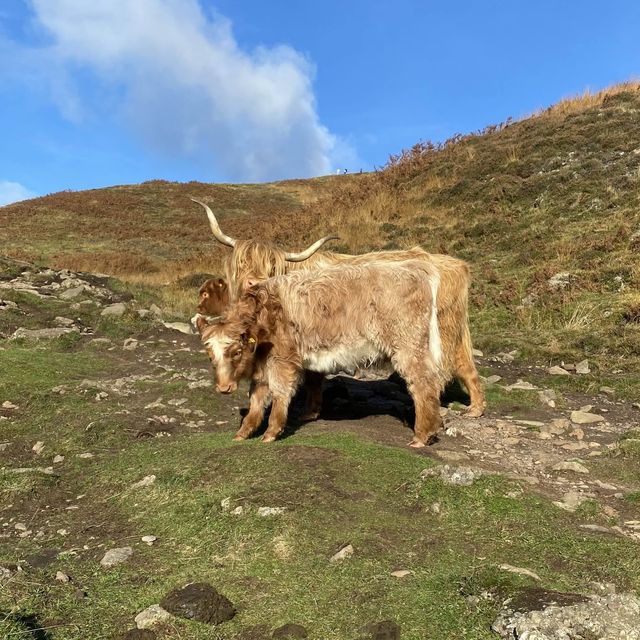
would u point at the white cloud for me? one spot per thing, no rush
(180, 81)
(13, 192)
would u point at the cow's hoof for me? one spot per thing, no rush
(266, 438)
(416, 444)
(474, 412)
(309, 416)
(238, 437)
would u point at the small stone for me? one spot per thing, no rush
(20, 526)
(151, 617)
(73, 292)
(9, 405)
(570, 465)
(149, 539)
(85, 456)
(608, 391)
(147, 481)
(548, 397)
(238, 511)
(130, 344)
(116, 556)
(270, 511)
(344, 553)
(560, 280)
(182, 327)
(225, 504)
(582, 367)
(577, 433)
(58, 459)
(586, 408)
(521, 384)
(462, 476)
(155, 309)
(606, 485)
(63, 322)
(477, 353)
(114, 310)
(570, 501)
(595, 528)
(402, 573)
(557, 371)
(62, 532)
(493, 379)
(38, 447)
(62, 577)
(584, 417)
(520, 571)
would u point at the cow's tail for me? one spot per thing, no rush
(435, 341)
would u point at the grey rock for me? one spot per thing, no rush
(152, 617)
(557, 371)
(155, 309)
(182, 327)
(548, 397)
(7, 304)
(116, 556)
(461, 476)
(43, 334)
(493, 379)
(342, 554)
(584, 417)
(582, 367)
(570, 501)
(608, 391)
(147, 481)
(115, 310)
(73, 292)
(605, 617)
(570, 465)
(521, 384)
(560, 280)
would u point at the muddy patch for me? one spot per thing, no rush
(200, 602)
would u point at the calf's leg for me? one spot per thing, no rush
(283, 380)
(257, 404)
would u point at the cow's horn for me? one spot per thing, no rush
(309, 251)
(215, 227)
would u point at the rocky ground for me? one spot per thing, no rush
(577, 452)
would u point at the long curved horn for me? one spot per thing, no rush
(215, 227)
(309, 251)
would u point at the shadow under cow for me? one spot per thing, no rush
(347, 398)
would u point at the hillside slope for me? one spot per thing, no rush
(556, 193)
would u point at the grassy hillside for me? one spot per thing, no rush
(557, 192)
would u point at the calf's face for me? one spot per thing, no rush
(231, 351)
(213, 297)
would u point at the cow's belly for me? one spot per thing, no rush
(343, 358)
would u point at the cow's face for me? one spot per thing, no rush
(214, 297)
(231, 350)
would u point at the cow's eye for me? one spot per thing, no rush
(205, 294)
(238, 353)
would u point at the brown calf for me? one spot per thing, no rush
(330, 319)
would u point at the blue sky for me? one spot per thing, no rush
(121, 91)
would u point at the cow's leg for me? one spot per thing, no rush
(426, 399)
(468, 374)
(257, 404)
(313, 395)
(425, 392)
